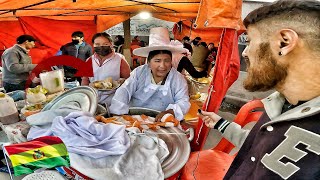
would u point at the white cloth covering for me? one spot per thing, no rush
(41, 122)
(138, 91)
(87, 139)
(83, 135)
(142, 161)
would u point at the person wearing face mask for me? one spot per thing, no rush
(77, 48)
(106, 63)
(156, 85)
(17, 64)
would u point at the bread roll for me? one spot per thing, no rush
(108, 79)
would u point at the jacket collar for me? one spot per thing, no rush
(22, 48)
(273, 106)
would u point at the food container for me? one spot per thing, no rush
(176, 140)
(53, 81)
(83, 97)
(36, 95)
(8, 110)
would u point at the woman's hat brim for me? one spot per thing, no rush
(144, 51)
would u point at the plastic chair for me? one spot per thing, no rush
(214, 163)
(134, 58)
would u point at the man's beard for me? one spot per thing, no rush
(266, 73)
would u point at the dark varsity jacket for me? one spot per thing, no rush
(280, 146)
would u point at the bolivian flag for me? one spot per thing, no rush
(43, 152)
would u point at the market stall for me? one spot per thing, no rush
(41, 119)
(70, 16)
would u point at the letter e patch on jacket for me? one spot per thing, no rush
(287, 148)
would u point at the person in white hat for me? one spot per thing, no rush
(155, 85)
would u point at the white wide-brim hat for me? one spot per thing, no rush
(159, 40)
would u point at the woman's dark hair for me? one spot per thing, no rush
(186, 38)
(119, 41)
(102, 34)
(204, 44)
(156, 52)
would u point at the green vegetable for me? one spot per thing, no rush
(57, 81)
(34, 107)
(37, 90)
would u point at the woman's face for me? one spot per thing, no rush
(160, 65)
(102, 46)
(101, 41)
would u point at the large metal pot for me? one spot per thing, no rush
(176, 140)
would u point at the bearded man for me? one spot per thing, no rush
(283, 53)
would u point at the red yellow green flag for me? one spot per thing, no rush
(43, 152)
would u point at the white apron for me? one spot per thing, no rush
(109, 68)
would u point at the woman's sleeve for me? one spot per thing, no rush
(181, 98)
(121, 100)
(124, 69)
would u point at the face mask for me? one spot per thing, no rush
(103, 50)
(75, 41)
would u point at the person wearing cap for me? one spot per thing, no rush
(155, 85)
(282, 53)
(16, 64)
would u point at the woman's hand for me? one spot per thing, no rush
(160, 115)
(121, 80)
(209, 118)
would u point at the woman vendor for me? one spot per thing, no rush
(155, 85)
(106, 63)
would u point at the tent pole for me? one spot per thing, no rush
(127, 41)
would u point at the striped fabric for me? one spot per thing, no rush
(221, 125)
(43, 152)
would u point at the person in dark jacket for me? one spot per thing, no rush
(283, 53)
(77, 48)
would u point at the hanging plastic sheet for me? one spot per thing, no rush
(225, 74)
(219, 14)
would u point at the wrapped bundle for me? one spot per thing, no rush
(8, 110)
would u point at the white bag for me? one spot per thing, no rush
(8, 110)
(53, 80)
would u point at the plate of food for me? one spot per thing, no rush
(31, 109)
(105, 85)
(203, 80)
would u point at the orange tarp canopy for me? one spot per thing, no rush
(10, 9)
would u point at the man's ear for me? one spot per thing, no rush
(287, 41)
